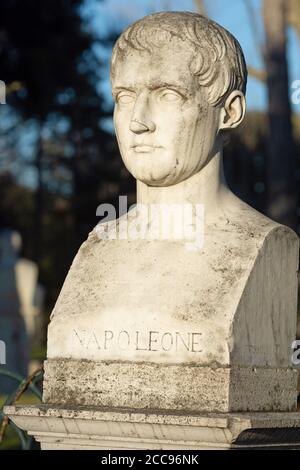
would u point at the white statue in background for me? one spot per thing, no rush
(20, 305)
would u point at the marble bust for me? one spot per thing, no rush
(147, 323)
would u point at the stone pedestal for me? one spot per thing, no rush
(171, 387)
(90, 428)
(179, 326)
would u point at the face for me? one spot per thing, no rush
(166, 129)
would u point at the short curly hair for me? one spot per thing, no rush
(222, 62)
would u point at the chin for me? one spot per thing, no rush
(170, 179)
(154, 175)
(151, 180)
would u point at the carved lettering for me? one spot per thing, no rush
(166, 344)
(80, 337)
(108, 336)
(123, 340)
(182, 341)
(147, 341)
(138, 348)
(195, 342)
(152, 339)
(93, 340)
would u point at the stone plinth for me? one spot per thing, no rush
(193, 331)
(176, 387)
(58, 427)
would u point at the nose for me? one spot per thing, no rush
(141, 121)
(139, 127)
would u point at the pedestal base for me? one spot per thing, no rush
(58, 427)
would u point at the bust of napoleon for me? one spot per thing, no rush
(163, 325)
(179, 82)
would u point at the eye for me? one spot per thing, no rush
(170, 96)
(125, 98)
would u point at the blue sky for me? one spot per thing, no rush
(233, 15)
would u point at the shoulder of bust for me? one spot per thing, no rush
(256, 224)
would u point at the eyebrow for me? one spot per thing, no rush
(116, 89)
(154, 86)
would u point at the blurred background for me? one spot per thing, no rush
(58, 154)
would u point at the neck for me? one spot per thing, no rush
(207, 187)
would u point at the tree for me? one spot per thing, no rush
(282, 197)
(48, 62)
(45, 48)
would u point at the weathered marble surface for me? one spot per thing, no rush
(59, 428)
(227, 305)
(224, 311)
(118, 292)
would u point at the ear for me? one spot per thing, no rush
(233, 111)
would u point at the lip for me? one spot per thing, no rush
(143, 148)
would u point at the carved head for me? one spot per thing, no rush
(178, 80)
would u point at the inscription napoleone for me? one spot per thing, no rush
(124, 340)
